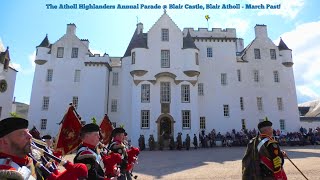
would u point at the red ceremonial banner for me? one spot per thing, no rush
(106, 129)
(69, 133)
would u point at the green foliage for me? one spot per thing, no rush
(14, 114)
(266, 118)
(122, 126)
(94, 121)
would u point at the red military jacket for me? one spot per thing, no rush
(271, 157)
(12, 167)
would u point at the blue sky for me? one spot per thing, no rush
(24, 24)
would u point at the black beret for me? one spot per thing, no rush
(46, 137)
(264, 124)
(90, 128)
(118, 131)
(11, 124)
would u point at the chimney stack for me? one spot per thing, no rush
(261, 31)
(71, 28)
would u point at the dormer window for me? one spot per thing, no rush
(165, 34)
(257, 54)
(74, 53)
(60, 52)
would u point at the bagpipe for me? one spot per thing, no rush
(44, 161)
(112, 161)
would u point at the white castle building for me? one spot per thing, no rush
(7, 83)
(168, 81)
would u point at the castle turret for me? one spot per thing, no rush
(4, 59)
(139, 28)
(42, 54)
(285, 53)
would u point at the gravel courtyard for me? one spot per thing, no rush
(219, 163)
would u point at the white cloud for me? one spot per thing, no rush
(308, 92)
(31, 58)
(242, 25)
(305, 45)
(15, 66)
(1, 46)
(288, 8)
(26, 69)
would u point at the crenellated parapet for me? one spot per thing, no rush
(213, 33)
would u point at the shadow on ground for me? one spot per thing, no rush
(160, 163)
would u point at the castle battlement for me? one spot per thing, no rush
(213, 33)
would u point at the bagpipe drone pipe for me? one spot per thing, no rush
(49, 170)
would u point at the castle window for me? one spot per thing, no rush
(60, 52)
(43, 125)
(165, 34)
(197, 58)
(115, 78)
(226, 112)
(202, 122)
(223, 79)
(279, 103)
(282, 125)
(45, 103)
(145, 118)
(273, 54)
(256, 76)
(114, 105)
(257, 54)
(165, 92)
(145, 93)
(77, 75)
(259, 103)
(49, 75)
(75, 101)
(200, 89)
(276, 76)
(185, 93)
(209, 51)
(133, 56)
(186, 121)
(241, 104)
(239, 74)
(165, 58)
(243, 124)
(74, 53)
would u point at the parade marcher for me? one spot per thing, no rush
(87, 152)
(161, 143)
(117, 146)
(188, 142)
(171, 142)
(143, 143)
(179, 142)
(140, 141)
(269, 159)
(15, 145)
(49, 141)
(151, 142)
(195, 141)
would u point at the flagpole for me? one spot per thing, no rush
(207, 18)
